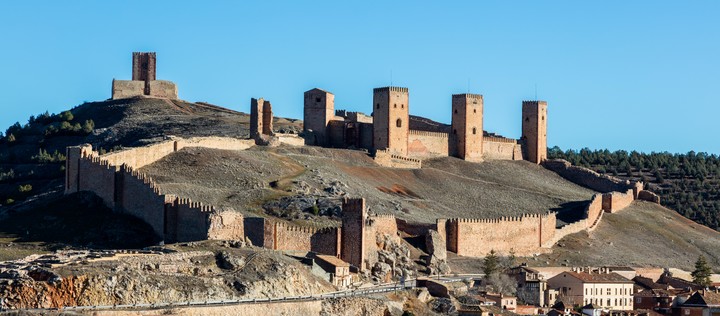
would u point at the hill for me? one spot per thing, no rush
(32, 155)
(254, 179)
(305, 184)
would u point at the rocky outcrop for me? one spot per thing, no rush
(156, 278)
(437, 253)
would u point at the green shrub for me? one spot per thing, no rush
(88, 127)
(66, 116)
(25, 188)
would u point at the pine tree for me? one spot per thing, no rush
(701, 275)
(490, 264)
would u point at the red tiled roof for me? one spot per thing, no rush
(336, 262)
(599, 277)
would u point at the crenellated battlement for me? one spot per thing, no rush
(496, 139)
(392, 88)
(468, 96)
(430, 134)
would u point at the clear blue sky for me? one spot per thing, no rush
(640, 75)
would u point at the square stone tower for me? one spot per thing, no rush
(352, 240)
(534, 130)
(391, 119)
(143, 68)
(256, 117)
(319, 110)
(467, 125)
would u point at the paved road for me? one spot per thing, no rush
(381, 288)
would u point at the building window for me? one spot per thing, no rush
(474, 131)
(395, 105)
(318, 99)
(398, 123)
(454, 132)
(455, 111)
(609, 292)
(474, 110)
(377, 106)
(402, 106)
(608, 303)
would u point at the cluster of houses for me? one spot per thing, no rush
(590, 291)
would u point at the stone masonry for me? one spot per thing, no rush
(534, 130)
(388, 130)
(391, 119)
(319, 110)
(144, 82)
(467, 126)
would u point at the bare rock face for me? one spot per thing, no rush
(193, 276)
(435, 245)
(357, 306)
(437, 253)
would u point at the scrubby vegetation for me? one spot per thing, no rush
(688, 183)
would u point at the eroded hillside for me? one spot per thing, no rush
(281, 178)
(644, 234)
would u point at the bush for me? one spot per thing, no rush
(44, 157)
(24, 188)
(10, 175)
(9, 201)
(66, 116)
(88, 127)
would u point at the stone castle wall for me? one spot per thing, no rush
(324, 241)
(383, 224)
(594, 210)
(427, 144)
(114, 178)
(123, 89)
(523, 235)
(615, 201)
(140, 197)
(589, 178)
(496, 148)
(387, 159)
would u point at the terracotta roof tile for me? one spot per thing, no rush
(599, 277)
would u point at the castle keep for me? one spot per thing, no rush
(143, 83)
(401, 140)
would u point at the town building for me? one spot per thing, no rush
(702, 303)
(608, 290)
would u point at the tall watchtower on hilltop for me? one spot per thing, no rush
(143, 66)
(319, 110)
(391, 119)
(467, 125)
(534, 130)
(144, 82)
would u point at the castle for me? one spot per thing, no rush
(388, 132)
(389, 129)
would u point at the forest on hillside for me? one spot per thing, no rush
(687, 183)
